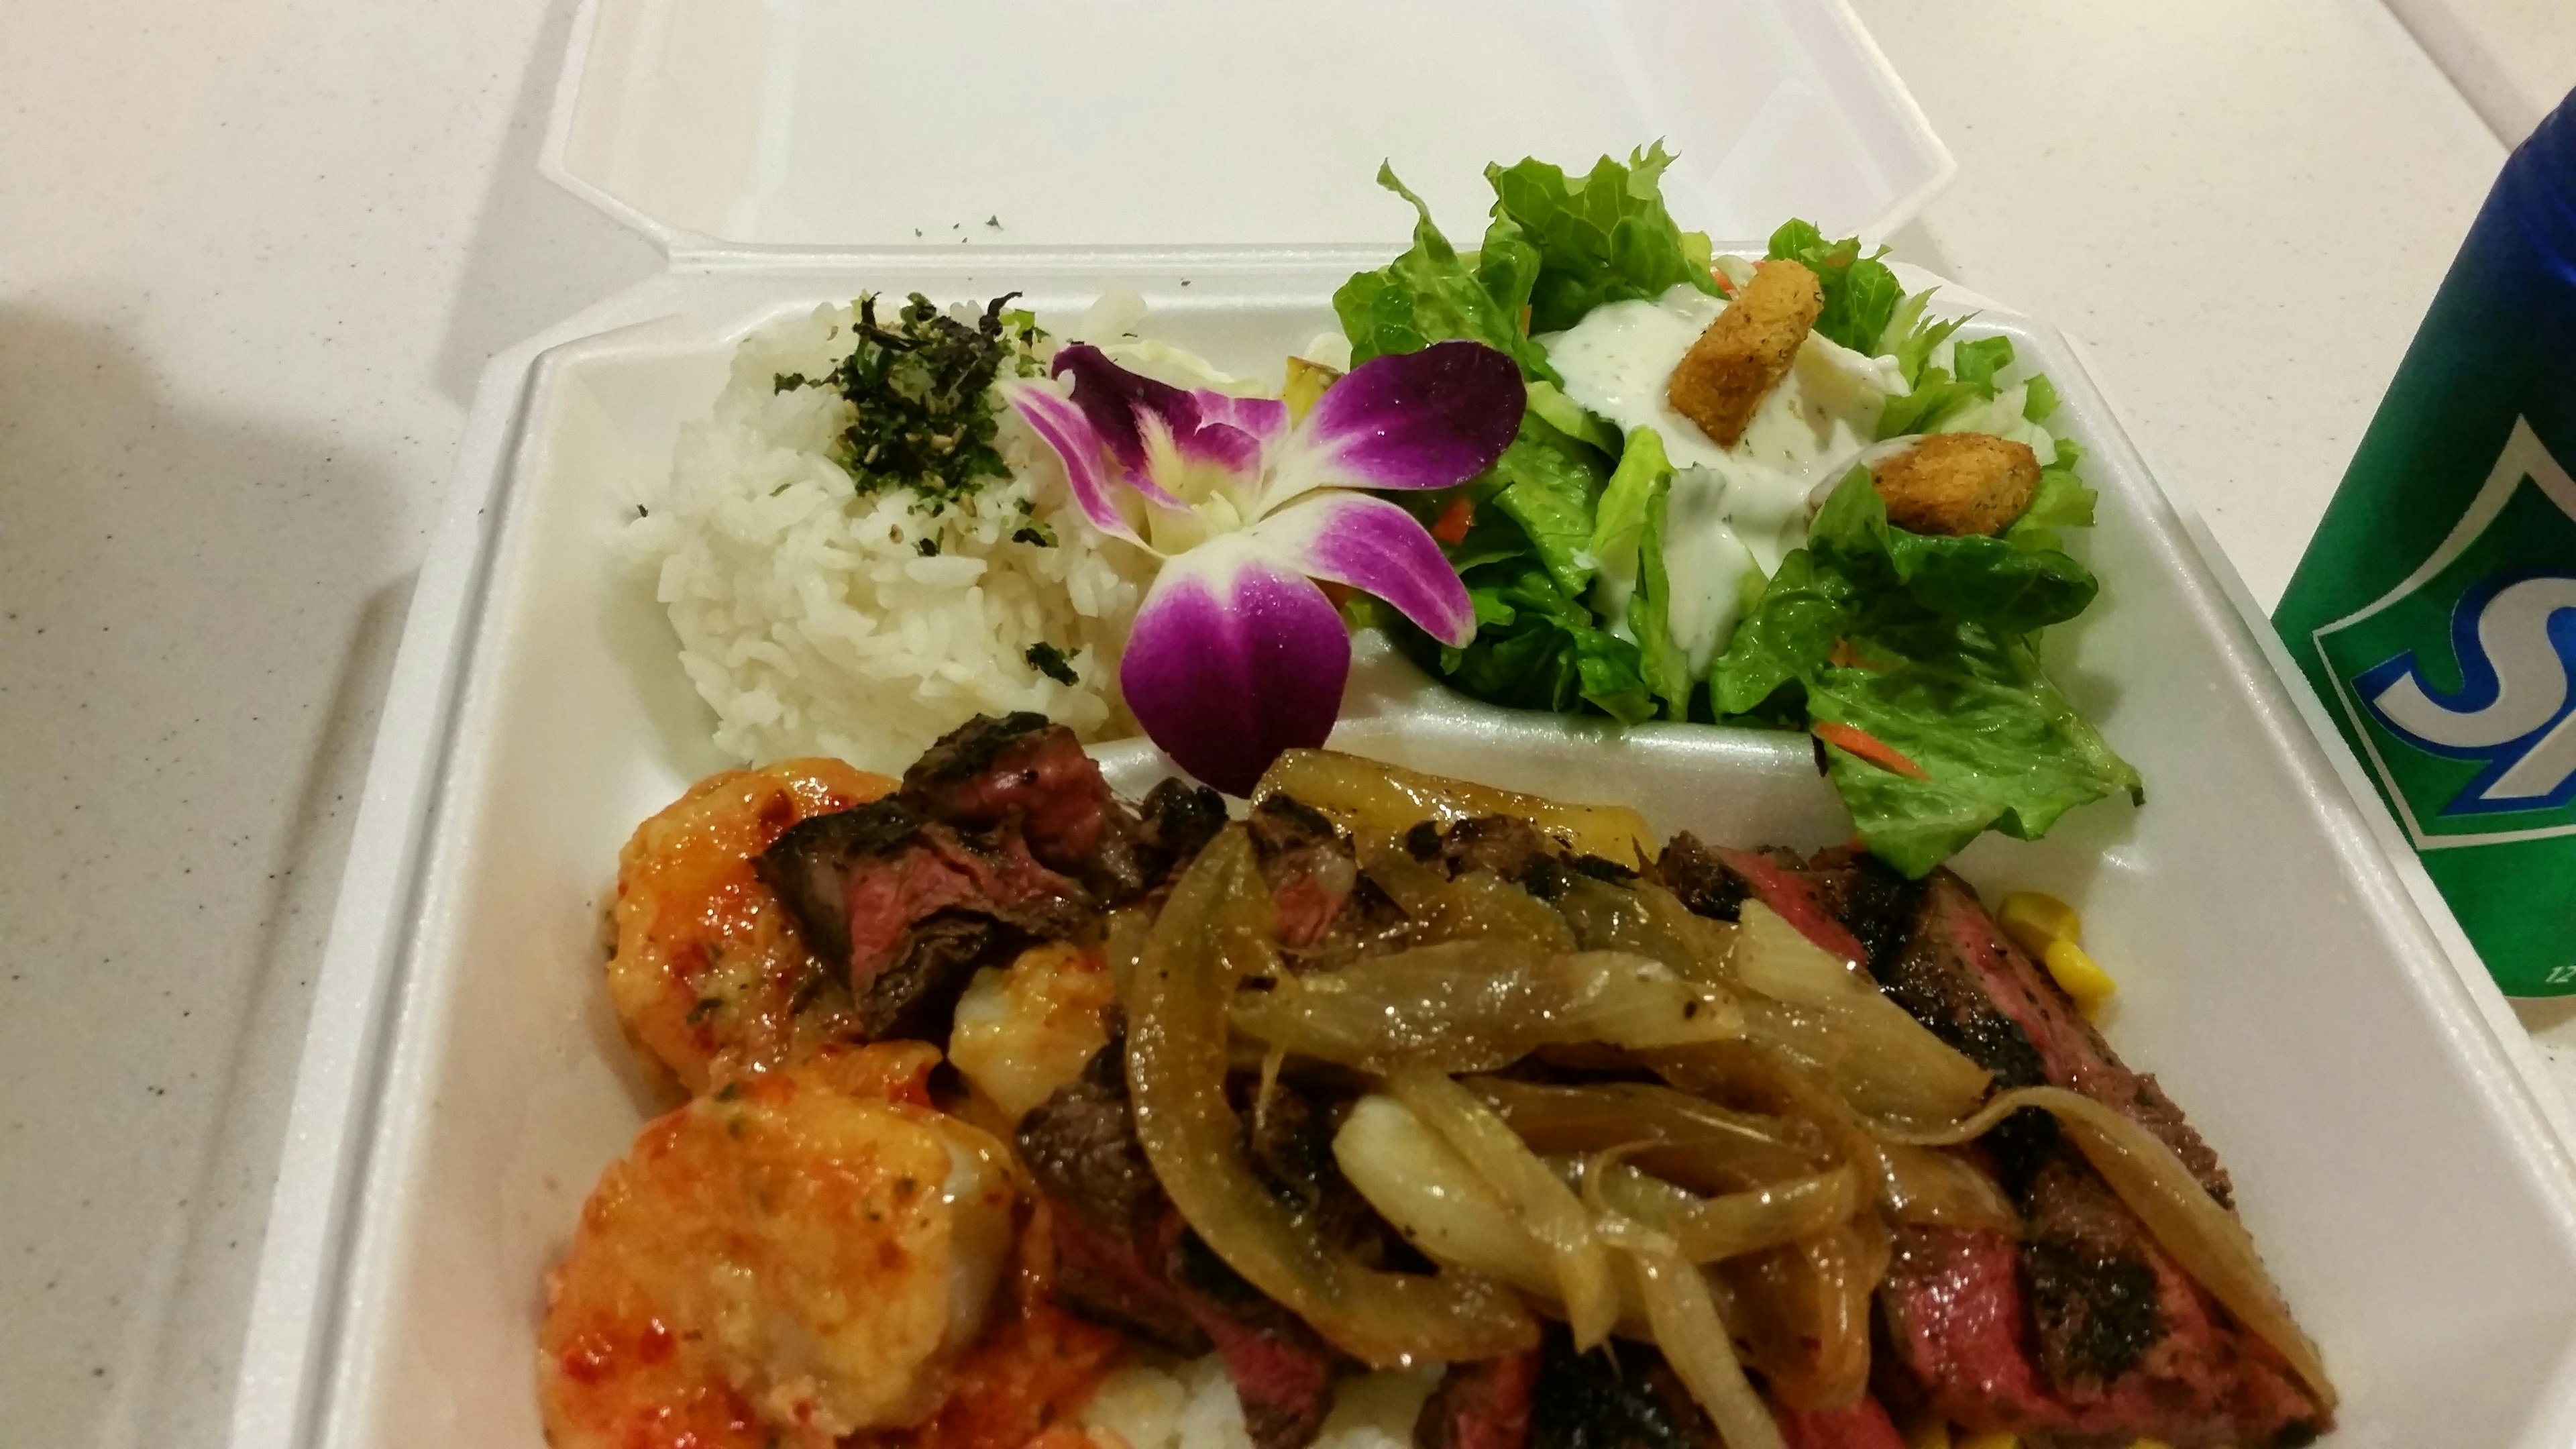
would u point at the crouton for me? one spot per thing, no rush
(1955, 484)
(1746, 351)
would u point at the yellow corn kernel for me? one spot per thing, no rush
(1996, 1440)
(2078, 977)
(2033, 920)
(1927, 1431)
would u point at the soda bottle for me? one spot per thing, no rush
(2435, 610)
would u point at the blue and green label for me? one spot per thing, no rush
(2460, 683)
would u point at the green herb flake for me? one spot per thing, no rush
(927, 547)
(1052, 662)
(1034, 532)
(921, 394)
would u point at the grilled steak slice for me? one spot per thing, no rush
(1960, 1332)
(1717, 882)
(2085, 1332)
(1501, 845)
(990, 771)
(1864, 1425)
(911, 907)
(1619, 1396)
(1958, 973)
(1178, 820)
(809, 867)
(1125, 1258)
(1869, 898)
(2094, 1293)
(1004, 833)
(1480, 1405)
(1512, 849)
(1307, 865)
(1115, 1229)
(1282, 1371)
(1290, 1141)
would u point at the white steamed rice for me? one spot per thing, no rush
(808, 615)
(1192, 1405)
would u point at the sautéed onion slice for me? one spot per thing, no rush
(1544, 1205)
(1467, 1006)
(1217, 926)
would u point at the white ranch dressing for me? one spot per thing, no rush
(1736, 510)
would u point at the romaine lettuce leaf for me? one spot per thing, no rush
(1572, 418)
(1606, 238)
(1788, 634)
(1977, 361)
(2010, 586)
(2039, 400)
(1546, 482)
(1861, 294)
(1620, 517)
(2003, 750)
(1929, 645)
(1430, 295)
(1910, 340)
(1664, 664)
(2062, 502)
(1937, 397)
(1536, 647)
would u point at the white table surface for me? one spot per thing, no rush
(253, 255)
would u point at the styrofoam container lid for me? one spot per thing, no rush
(713, 125)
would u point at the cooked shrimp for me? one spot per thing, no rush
(1023, 1032)
(708, 972)
(798, 1256)
(1035, 1367)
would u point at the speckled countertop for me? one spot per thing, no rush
(252, 257)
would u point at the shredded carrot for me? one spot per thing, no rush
(1451, 528)
(1864, 745)
(1851, 658)
(1724, 287)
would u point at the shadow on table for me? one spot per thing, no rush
(539, 253)
(154, 556)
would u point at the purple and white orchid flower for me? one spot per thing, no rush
(1236, 654)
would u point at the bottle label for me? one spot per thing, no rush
(2460, 683)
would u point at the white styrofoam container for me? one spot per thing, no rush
(751, 126)
(2395, 1165)
(463, 1081)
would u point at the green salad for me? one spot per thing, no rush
(1622, 561)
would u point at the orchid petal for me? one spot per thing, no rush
(1370, 544)
(1063, 427)
(1132, 412)
(1226, 445)
(1426, 419)
(1233, 659)
(1265, 419)
(1111, 397)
